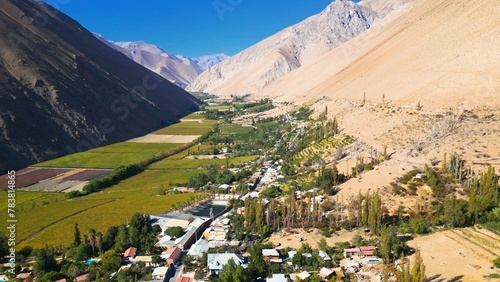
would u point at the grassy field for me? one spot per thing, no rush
(194, 116)
(110, 156)
(196, 163)
(220, 108)
(188, 128)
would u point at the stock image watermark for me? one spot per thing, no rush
(224, 6)
(11, 221)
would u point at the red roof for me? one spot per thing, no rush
(23, 275)
(83, 277)
(184, 279)
(368, 250)
(173, 254)
(130, 252)
(61, 280)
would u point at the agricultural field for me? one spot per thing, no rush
(110, 156)
(196, 163)
(193, 116)
(237, 132)
(325, 147)
(30, 176)
(219, 108)
(194, 127)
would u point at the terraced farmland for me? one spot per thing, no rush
(326, 147)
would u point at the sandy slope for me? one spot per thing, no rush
(437, 52)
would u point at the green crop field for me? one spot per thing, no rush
(219, 108)
(54, 223)
(188, 128)
(111, 156)
(196, 163)
(194, 116)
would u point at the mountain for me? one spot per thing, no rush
(62, 90)
(176, 69)
(208, 61)
(262, 64)
(438, 52)
(424, 81)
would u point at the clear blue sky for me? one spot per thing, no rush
(190, 27)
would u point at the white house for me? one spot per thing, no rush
(215, 262)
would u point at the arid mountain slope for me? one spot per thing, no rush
(431, 76)
(270, 59)
(178, 70)
(63, 90)
(438, 52)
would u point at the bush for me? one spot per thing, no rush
(496, 262)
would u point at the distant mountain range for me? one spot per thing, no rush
(62, 90)
(176, 68)
(260, 65)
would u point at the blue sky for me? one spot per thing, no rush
(190, 27)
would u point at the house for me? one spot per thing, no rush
(200, 247)
(325, 273)
(324, 256)
(215, 262)
(350, 252)
(367, 251)
(159, 273)
(303, 275)
(61, 280)
(130, 253)
(278, 278)
(291, 254)
(171, 256)
(26, 276)
(271, 255)
(147, 260)
(82, 278)
(184, 279)
(224, 187)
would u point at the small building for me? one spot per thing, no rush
(61, 280)
(278, 278)
(291, 254)
(82, 278)
(215, 262)
(159, 273)
(324, 256)
(326, 273)
(25, 276)
(171, 256)
(304, 275)
(271, 255)
(130, 253)
(367, 251)
(350, 252)
(200, 247)
(184, 279)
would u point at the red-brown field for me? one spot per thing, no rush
(30, 175)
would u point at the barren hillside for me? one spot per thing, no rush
(62, 90)
(274, 57)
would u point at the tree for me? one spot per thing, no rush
(174, 231)
(4, 248)
(77, 240)
(418, 270)
(45, 261)
(98, 241)
(232, 273)
(92, 240)
(110, 261)
(496, 262)
(322, 245)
